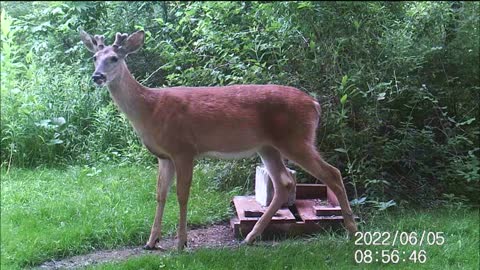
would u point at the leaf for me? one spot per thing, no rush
(356, 24)
(343, 99)
(6, 22)
(58, 121)
(43, 123)
(341, 150)
(381, 96)
(57, 10)
(358, 201)
(384, 205)
(344, 80)
(55, 141)
(305, 4)
(468, 122)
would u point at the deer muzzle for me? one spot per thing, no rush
(99, 78)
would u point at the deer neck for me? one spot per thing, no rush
(129, 95)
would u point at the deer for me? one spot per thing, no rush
(178, 125)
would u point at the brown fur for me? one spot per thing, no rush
(226, 119)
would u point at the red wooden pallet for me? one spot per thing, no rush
(315, 209)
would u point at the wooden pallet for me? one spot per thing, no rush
(313, 211)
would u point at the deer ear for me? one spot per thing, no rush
(88, 41)
(134, 42)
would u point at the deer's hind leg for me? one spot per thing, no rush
(282, 184)
(307, 157)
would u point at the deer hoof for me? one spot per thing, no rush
(246, 243)
(147, 247)
(181, 246)
(155, 247)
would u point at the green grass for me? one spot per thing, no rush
(334, 251)
(49, 213)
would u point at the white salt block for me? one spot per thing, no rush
(264, 187)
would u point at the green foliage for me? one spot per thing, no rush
(233, 175)
(398, 83)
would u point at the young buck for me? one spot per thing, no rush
(180, 124)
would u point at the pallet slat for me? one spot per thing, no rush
(306, 210)
(250, 211)
(311, 191)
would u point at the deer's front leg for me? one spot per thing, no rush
(166, 171)
(184, 169)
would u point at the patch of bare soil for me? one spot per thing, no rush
(218, 235)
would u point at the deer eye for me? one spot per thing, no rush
(94, 59)
(114, 59)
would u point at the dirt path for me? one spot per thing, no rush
(218, 235)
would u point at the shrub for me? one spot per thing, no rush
(398, 83)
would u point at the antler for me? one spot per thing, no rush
(100, 40)
(119, 38)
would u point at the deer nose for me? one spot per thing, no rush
(99, 78)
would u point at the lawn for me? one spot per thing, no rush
(53, 213)
(335, 251)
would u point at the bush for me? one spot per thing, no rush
(398, 83)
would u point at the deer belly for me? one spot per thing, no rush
(153, 148)
(230, 155)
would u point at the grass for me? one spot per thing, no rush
(335, 251)
(51, 213)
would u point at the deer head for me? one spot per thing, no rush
(109, 60)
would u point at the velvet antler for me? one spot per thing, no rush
(119, 39)
(100, 41)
